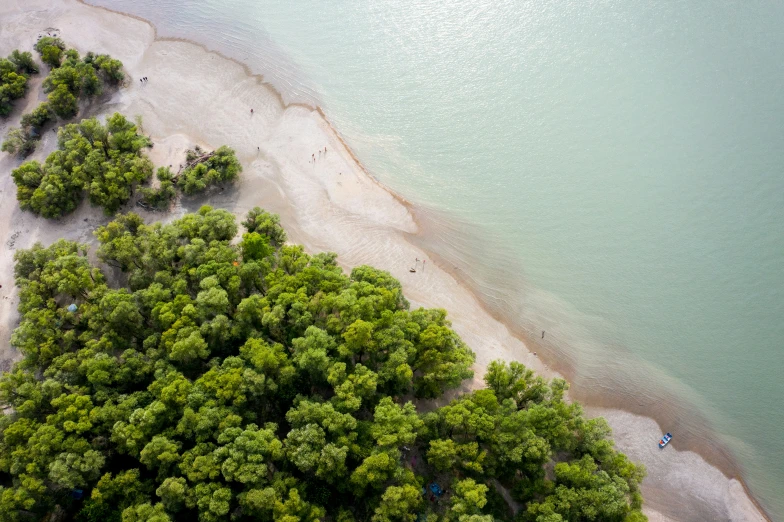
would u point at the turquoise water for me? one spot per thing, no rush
(608, 171)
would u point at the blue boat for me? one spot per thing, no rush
(665, 440)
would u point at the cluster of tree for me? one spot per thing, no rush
(106, 162)
(14, 73)
(252, 381)
(204, 169)
(70, 79)
(78, 77)
(51, 50)
(23, 140)
(201, 170)
(103, 160)
(55, 54)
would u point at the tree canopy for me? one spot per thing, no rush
(51, 50)
(77, 78)
(106, 162)
(14, 73)
(203, 170)
(102, 160)
(70, 79)
(225, 380)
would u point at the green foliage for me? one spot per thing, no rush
(160, 197)
(63, 101)
(264, 223)
(145, 513)
(14, 73)
(103, 160)
(51, 50)
(209, 169)
(20, 142)
(67, 82)
(222, 382)
(399, 503)
(585, 492)
(468, 499)
(110, 69)
(23, 61)
(80, 77)
(255, 247)
(52, 55)
(39, 117)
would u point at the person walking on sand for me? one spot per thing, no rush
(251, 111)
(542, 334)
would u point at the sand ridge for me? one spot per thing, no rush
(326, 201)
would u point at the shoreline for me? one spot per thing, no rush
(603, 405)
(396, 224)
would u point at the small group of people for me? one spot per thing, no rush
(143, 79)
(313, 156)
(416, 265)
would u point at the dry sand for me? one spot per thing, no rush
(199, 97)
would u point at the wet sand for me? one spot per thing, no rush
(195, 96)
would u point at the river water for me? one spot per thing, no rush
(607, 171)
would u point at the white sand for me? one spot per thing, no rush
(195, 96)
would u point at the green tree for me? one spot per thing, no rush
(145, 513)
(311, 352)
(217, 167)
(212, 501)
(246, 455)
(264, 223)
(70, 470)
(585, 492)
(174, 493)
(445, 455)
(20, 142)
(514, 381)
(104, 160)
(214, 386)
(110, 68)
(295, 508)
(442, 360)
(63, 102)
(394, 425)
(399, 503)
(375, 470)
(255, 246)
(162, 196)
(23, 61)
(39, 117)
(161, 452)
(468, 499)
(13, 80)
(51, 50)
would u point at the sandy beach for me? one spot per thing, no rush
(195, 96)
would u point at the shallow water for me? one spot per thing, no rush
(607, 171)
